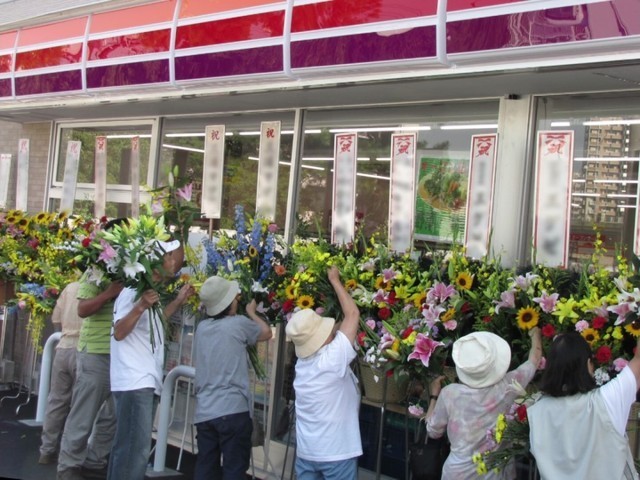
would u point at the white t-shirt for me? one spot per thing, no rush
(134, 363)
(327, 404)
(618, 395)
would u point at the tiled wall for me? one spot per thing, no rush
(39, 135)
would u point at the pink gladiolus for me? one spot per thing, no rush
(423, 349)
(22, 304)
(619, 364)
(273, 228)
(582, 325)
(371, 323)
(185, 192)
(450, 325)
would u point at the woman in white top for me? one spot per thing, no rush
(576, 429)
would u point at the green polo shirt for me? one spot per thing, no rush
(95, 333)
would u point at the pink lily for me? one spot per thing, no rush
(423, 349)
(185, 192)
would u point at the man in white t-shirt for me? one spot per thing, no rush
(327, 393)
(137, 360)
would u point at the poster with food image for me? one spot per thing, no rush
(441, 199)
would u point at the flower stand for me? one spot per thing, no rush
(374, 390)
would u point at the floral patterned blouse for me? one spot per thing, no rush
(468, 414)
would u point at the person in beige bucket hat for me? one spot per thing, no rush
(223, 396)
(466, 411)
(327, 393)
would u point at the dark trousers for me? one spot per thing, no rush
(224, 447)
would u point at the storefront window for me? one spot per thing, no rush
(118, 153)
(604, 187)
(183, 146)
(444, 135)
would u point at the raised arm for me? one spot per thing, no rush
(89, 306)
(265, 329)
(126, 324)
(535, 353)
(350, 310)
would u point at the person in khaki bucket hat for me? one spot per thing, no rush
(223, 396)
(327, 393)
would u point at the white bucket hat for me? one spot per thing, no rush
(482, 359)
(217, 293)
(308, 331)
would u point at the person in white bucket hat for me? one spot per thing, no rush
(468, 410)
(223, 396)
(327, 395)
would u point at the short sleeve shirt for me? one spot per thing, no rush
(467, 414)
(95, 333)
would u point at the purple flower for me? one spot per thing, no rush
(507, 300)
(621, 310)
(388, 274)
(273, 228)
(423, 349)
(108, 253)
(185, 192)
(547, 302)
(440, 292)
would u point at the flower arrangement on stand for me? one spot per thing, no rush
(251, 255)
(36, 254)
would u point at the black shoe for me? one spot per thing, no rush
(94, 474)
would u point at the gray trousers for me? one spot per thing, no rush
(63, 375)
(83, 443)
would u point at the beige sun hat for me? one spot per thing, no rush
(217, 293)
(308, 331)
(482, 359)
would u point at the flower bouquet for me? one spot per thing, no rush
(251, 256)
(129, 253)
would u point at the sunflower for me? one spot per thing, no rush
(305, 301)
(350, 284)
(527, 318)
(290, 292)
(448, 315)
(252, 251)
(464, 280)
(633, 328)
(590, 335)
(42, 218)
(419, 299)
(380, 284)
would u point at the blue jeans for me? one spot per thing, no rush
(338, 470)
(224, 447)
(132, 443)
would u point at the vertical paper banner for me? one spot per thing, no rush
(344, 188)
(213, 171)
(553, 197)
(70, 179)
(22, 178)
(135, 177)
(5, 173)
(482, 167)
(267, 190)
(402, 191)
(100, 169)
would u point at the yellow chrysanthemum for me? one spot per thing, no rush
(617, 333)
(528, 318)
(305, 301)
(590, 335)
(252, 251)
(350, 284)
(633, 328)
(464, 280)
(290, 292)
